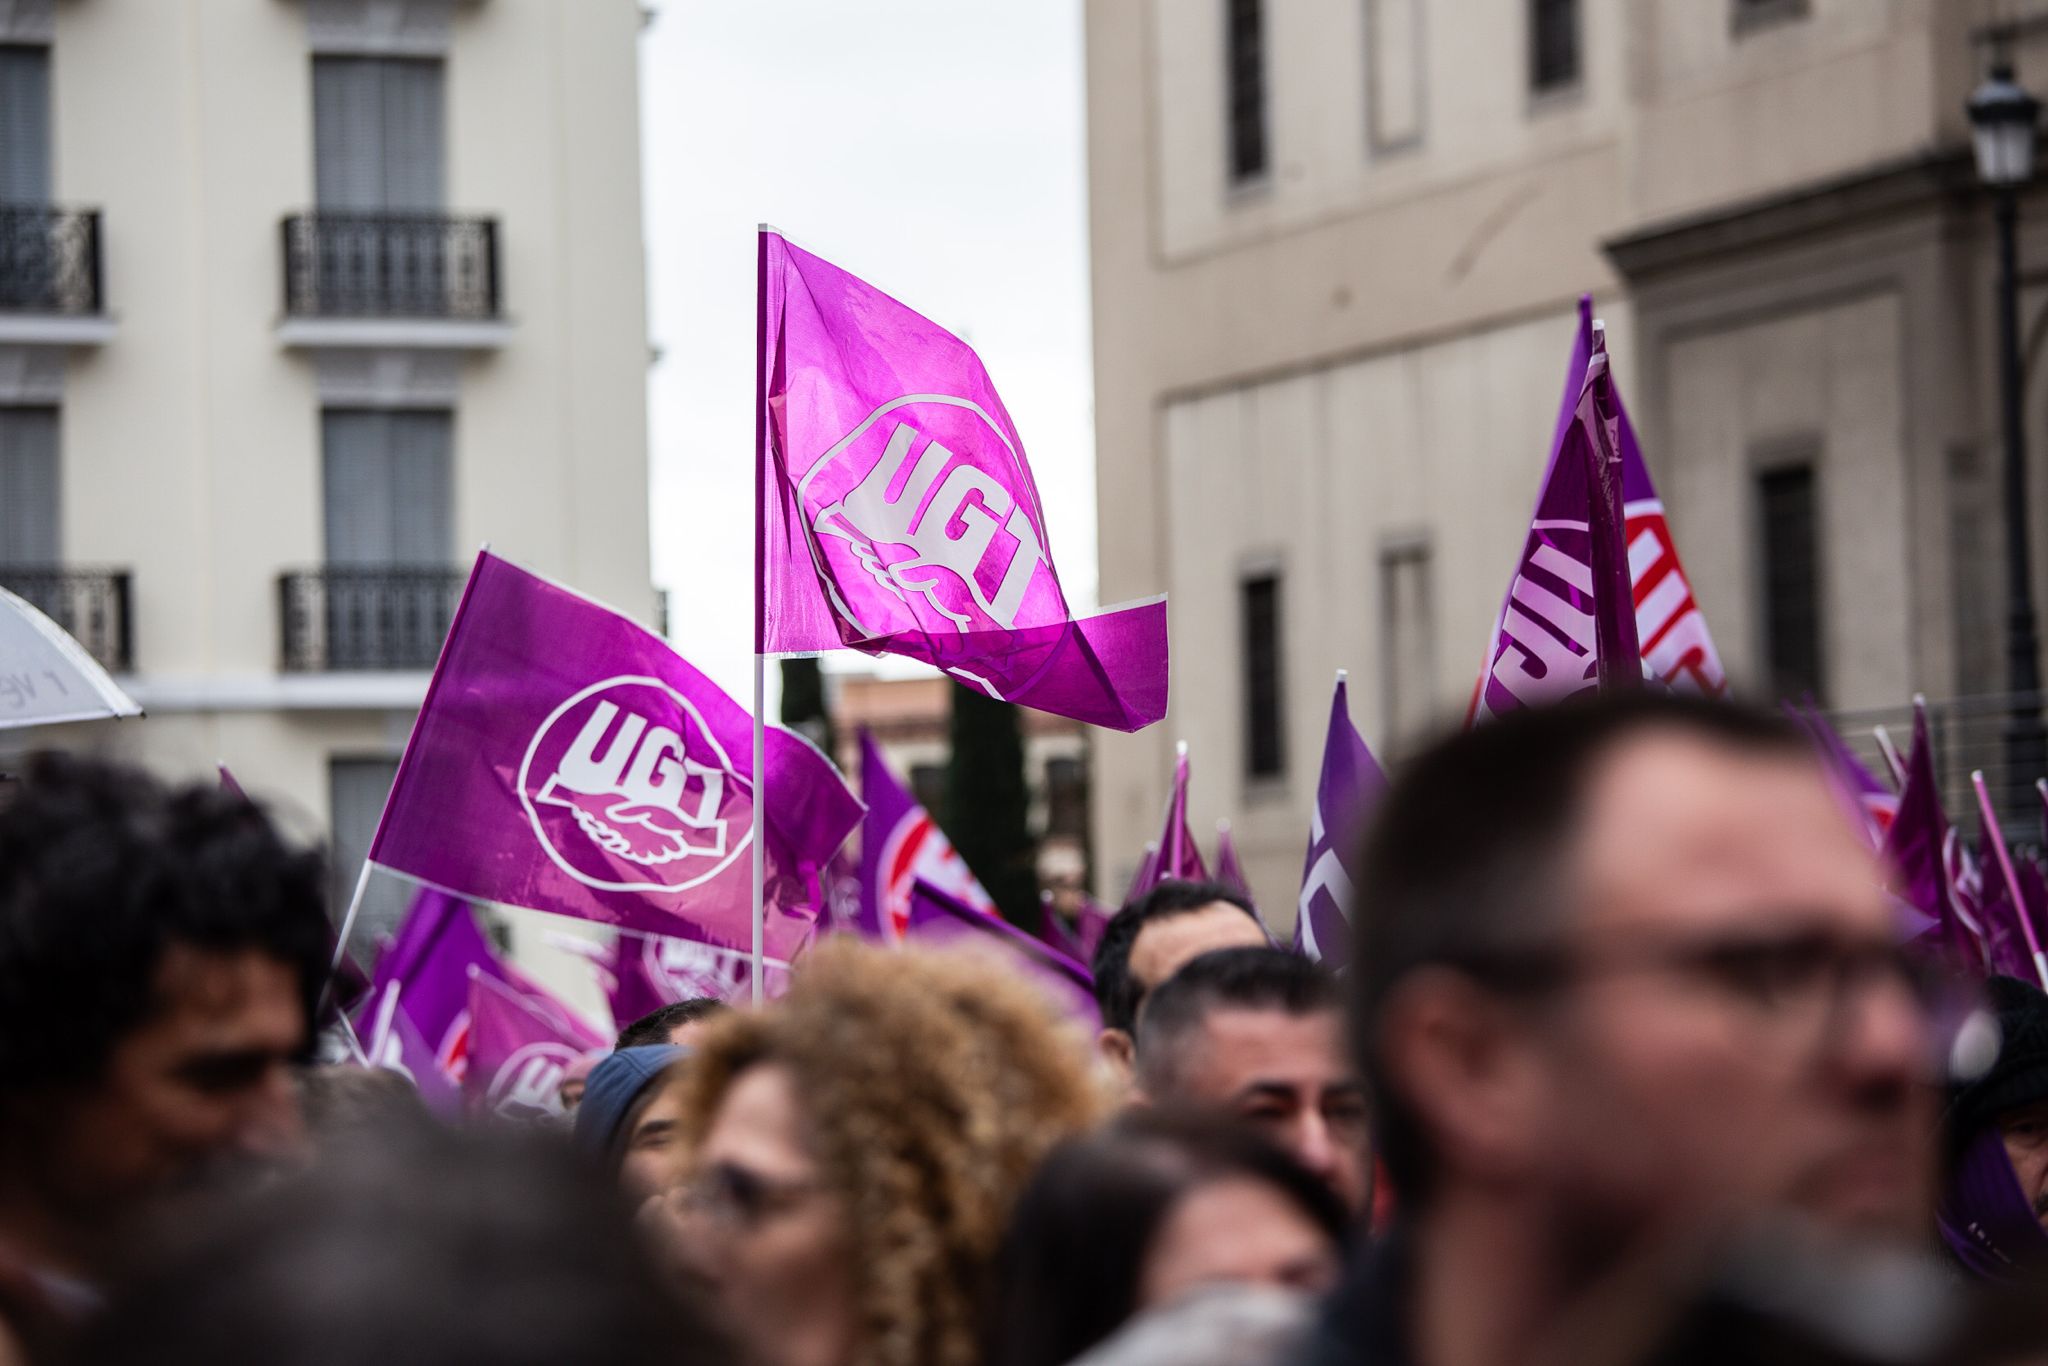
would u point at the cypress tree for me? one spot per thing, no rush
(803, 704)
(988, 804)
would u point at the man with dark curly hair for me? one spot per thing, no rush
(161, 952)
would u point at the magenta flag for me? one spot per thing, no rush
(1075, 938)
(640, 973)
(1179, 856)
(567, 760)
(421, 985)
(1545, 644)
(941, 921)
(2011, 940)
(522, 1043)
(1913, 848)
(1347, 789)
(897, 513)
(900, 844)
(1229, 871)
(1869, 800)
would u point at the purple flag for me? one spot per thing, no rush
(520, 1046)
(568, 760)
(2009, 935)
(941, 921)
(415, 1017)
(1075, 938)
(1913, 848)
(897, 514)
(1177, 855)
(640, 973)
(228, 783)
(1349, 786)
(1871, 803)
(1546, 643)
(1229, 871)
(901, 844)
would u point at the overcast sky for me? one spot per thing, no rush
(933, 147)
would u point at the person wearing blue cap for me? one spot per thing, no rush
(630, 1116)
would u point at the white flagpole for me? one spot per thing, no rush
(760, 800)
(348, 922)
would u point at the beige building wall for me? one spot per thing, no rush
(191, 436)
(1360, 352)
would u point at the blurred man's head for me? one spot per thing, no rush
(679, 1022)
(1151, 939)
(1993, 1223)
(1259, 1033)
(1625, 965)
(160, 954)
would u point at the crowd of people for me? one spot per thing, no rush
(1632, 1062)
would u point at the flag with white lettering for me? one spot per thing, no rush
(1545, 645)
(521, 1045)
(897, 513)
(900, 844)
(1346, 791)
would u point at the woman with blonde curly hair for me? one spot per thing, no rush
(857, 1149)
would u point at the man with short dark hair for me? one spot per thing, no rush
(1627, 982)
(1259, 1033)
(678, 1022)
(160, 955)
(1149, 940)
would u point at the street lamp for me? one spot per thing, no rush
(2003, 118)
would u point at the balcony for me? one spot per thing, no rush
(90, 604)
(366, 620)
(50, 289)
(391, 279)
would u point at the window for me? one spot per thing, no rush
(28, 487)
(1245, 58)
(377, 134)
(1754, 14)
(1553, 45)
(1407, 642)
(24, 124)
(1066, 798)
(356, 789)
(1791, 581)
(1265, 749)
(386, 477)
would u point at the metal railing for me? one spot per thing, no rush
(49, 260)
(339, 619)
(390, 265)
(1968, 734)
(92, 605)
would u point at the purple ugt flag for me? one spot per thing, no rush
(568, 760)
(1870, 803)
(415, 1018)
(2011, 940)
(941, 921)
(1346, 792)
(897, 514)
(1546, 642)
(640, 973)
(521, 1045)
(901, 844)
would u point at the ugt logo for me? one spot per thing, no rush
(916, 529)
(628, 790)
(529, 1082)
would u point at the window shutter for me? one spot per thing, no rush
(413, 136)
(348, 134)
(356, 474)
(28, 486)
(421, 514)
(24, 125)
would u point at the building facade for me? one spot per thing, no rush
(301, 301)
(1337, 247)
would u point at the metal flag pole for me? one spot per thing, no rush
(348, 922)
(760, 800)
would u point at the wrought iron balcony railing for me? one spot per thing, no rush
(90, 604)
(390, 265)
(49, 260)
(339, 619)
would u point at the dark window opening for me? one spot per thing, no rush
(1553, 45)
(1265, 753)
(1245, 46)
(1791, 581)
